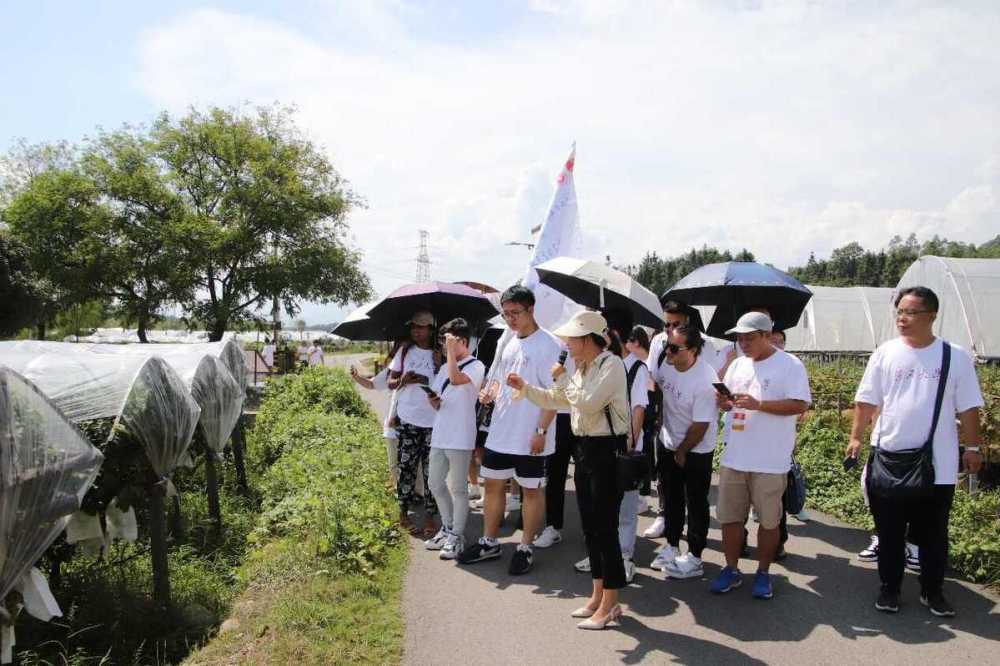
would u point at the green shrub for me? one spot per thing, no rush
(319, 389)
(974, 528)
(329, 485)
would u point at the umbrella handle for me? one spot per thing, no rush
(601, 286)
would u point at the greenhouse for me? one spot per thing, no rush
(968, 291)
(843, 319)
(142, 395)
(46, 467)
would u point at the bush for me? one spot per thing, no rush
(318, 389)
(974, 528)
(330, 487)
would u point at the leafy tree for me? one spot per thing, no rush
(659, 274)
(145, 266)
(20, 301)
(59, 218)
(81, 318)
(265, 214)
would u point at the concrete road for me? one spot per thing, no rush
(822, 611)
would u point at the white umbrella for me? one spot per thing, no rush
(595, 285)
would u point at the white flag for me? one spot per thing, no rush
(560, 237)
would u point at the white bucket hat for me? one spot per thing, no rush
(583, 323)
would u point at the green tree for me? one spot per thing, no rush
(59, 218)
(20, 301)
(266, 214)
(659, 274)
(146, 265)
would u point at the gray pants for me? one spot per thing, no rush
(448, 479)
(628, 523)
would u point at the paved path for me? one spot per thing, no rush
(822, 612)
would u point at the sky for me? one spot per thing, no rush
(782, 127)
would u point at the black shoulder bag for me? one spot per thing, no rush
(908, 474)
(631, 466)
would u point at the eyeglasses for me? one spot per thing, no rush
(512, 314)
(910, 313)
(672, 324)
(673, 349)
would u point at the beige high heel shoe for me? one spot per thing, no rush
(592, 624)
(583, 611)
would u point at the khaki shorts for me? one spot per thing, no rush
(738, 490)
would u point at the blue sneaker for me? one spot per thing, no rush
(762, 586)
(729, 579)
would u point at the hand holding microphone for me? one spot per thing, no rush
(560, 368)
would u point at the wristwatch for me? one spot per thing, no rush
(540, 431)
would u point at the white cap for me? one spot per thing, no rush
(583, 323)
(752, 321)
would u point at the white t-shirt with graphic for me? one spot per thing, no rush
(639, 396)
(903, 382)
(760, 442)
(455, 422)
(688, 397)
(514, 421)
(412, 405)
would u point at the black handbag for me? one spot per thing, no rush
(795, 490)
(631, 466)
(908, 474)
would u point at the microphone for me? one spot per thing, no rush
(562, 357)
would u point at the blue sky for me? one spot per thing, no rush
(726, 123)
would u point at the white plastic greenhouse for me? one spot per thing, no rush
(843, 319)
(143, 394)
(969, 295)
(46, 467)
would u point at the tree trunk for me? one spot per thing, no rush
(158, 546)
(238, 458)
(217, 329)
(40, 330)
(212, 488)
(140, 326)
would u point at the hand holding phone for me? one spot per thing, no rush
(723, 389)
(850, 462)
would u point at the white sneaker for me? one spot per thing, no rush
(802, 516)
(870, 554)
(474, 491)
(479, 503)
(629, 570)
(513, 503)
(685, 566)
(437, 541)
(583, 566)
(550, 536)
(655, 531)
(912, 558)
(665, 557)
(452, 547)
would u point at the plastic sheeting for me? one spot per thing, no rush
(46, 467)
(843, 319)
(968, 291)
(144, 395)
(206, 376)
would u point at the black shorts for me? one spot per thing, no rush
(528, 471)
(481, 436)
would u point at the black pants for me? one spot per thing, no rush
(928, 521)
(649, 449)
(687, 491)
(599, 499)
(556, 471)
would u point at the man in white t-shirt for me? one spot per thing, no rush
(688, 434)
(768, 390)
(453, 439)
(901, 382)
(520, 436)
(302, 354)
(413, 366)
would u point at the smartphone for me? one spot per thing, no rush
(428, 390)
(723, 389)
(850, 463)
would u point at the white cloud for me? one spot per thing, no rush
(784, 129)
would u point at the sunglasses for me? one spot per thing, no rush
(673, 349)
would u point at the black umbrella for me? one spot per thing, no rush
(444, 300)
(735, 287)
